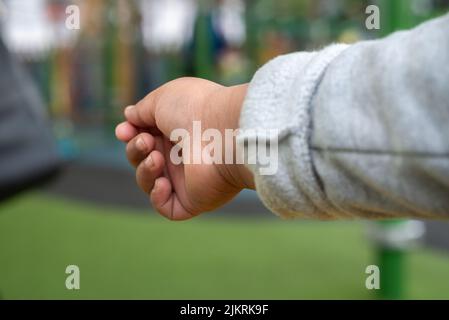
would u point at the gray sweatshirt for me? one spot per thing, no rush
(363, 129)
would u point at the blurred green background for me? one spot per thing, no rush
(126, 255)
(94, 217)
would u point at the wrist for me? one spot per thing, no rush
(238, 174)
(238, 94)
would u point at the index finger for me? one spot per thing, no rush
(143, 113)
(125, 131)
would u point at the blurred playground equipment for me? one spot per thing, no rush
(124, 49)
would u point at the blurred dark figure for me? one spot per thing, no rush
(28, 154)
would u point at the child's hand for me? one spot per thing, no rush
(182, 191)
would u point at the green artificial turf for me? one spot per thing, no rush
(143, 256)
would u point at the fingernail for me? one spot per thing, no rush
(128, 110)
(141, 145)
(149, 161)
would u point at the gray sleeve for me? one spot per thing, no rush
(363, 131)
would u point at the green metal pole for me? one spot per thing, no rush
(203, 51)
(392, 266)
(392, 273)
(251, 45)
(395, 15)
